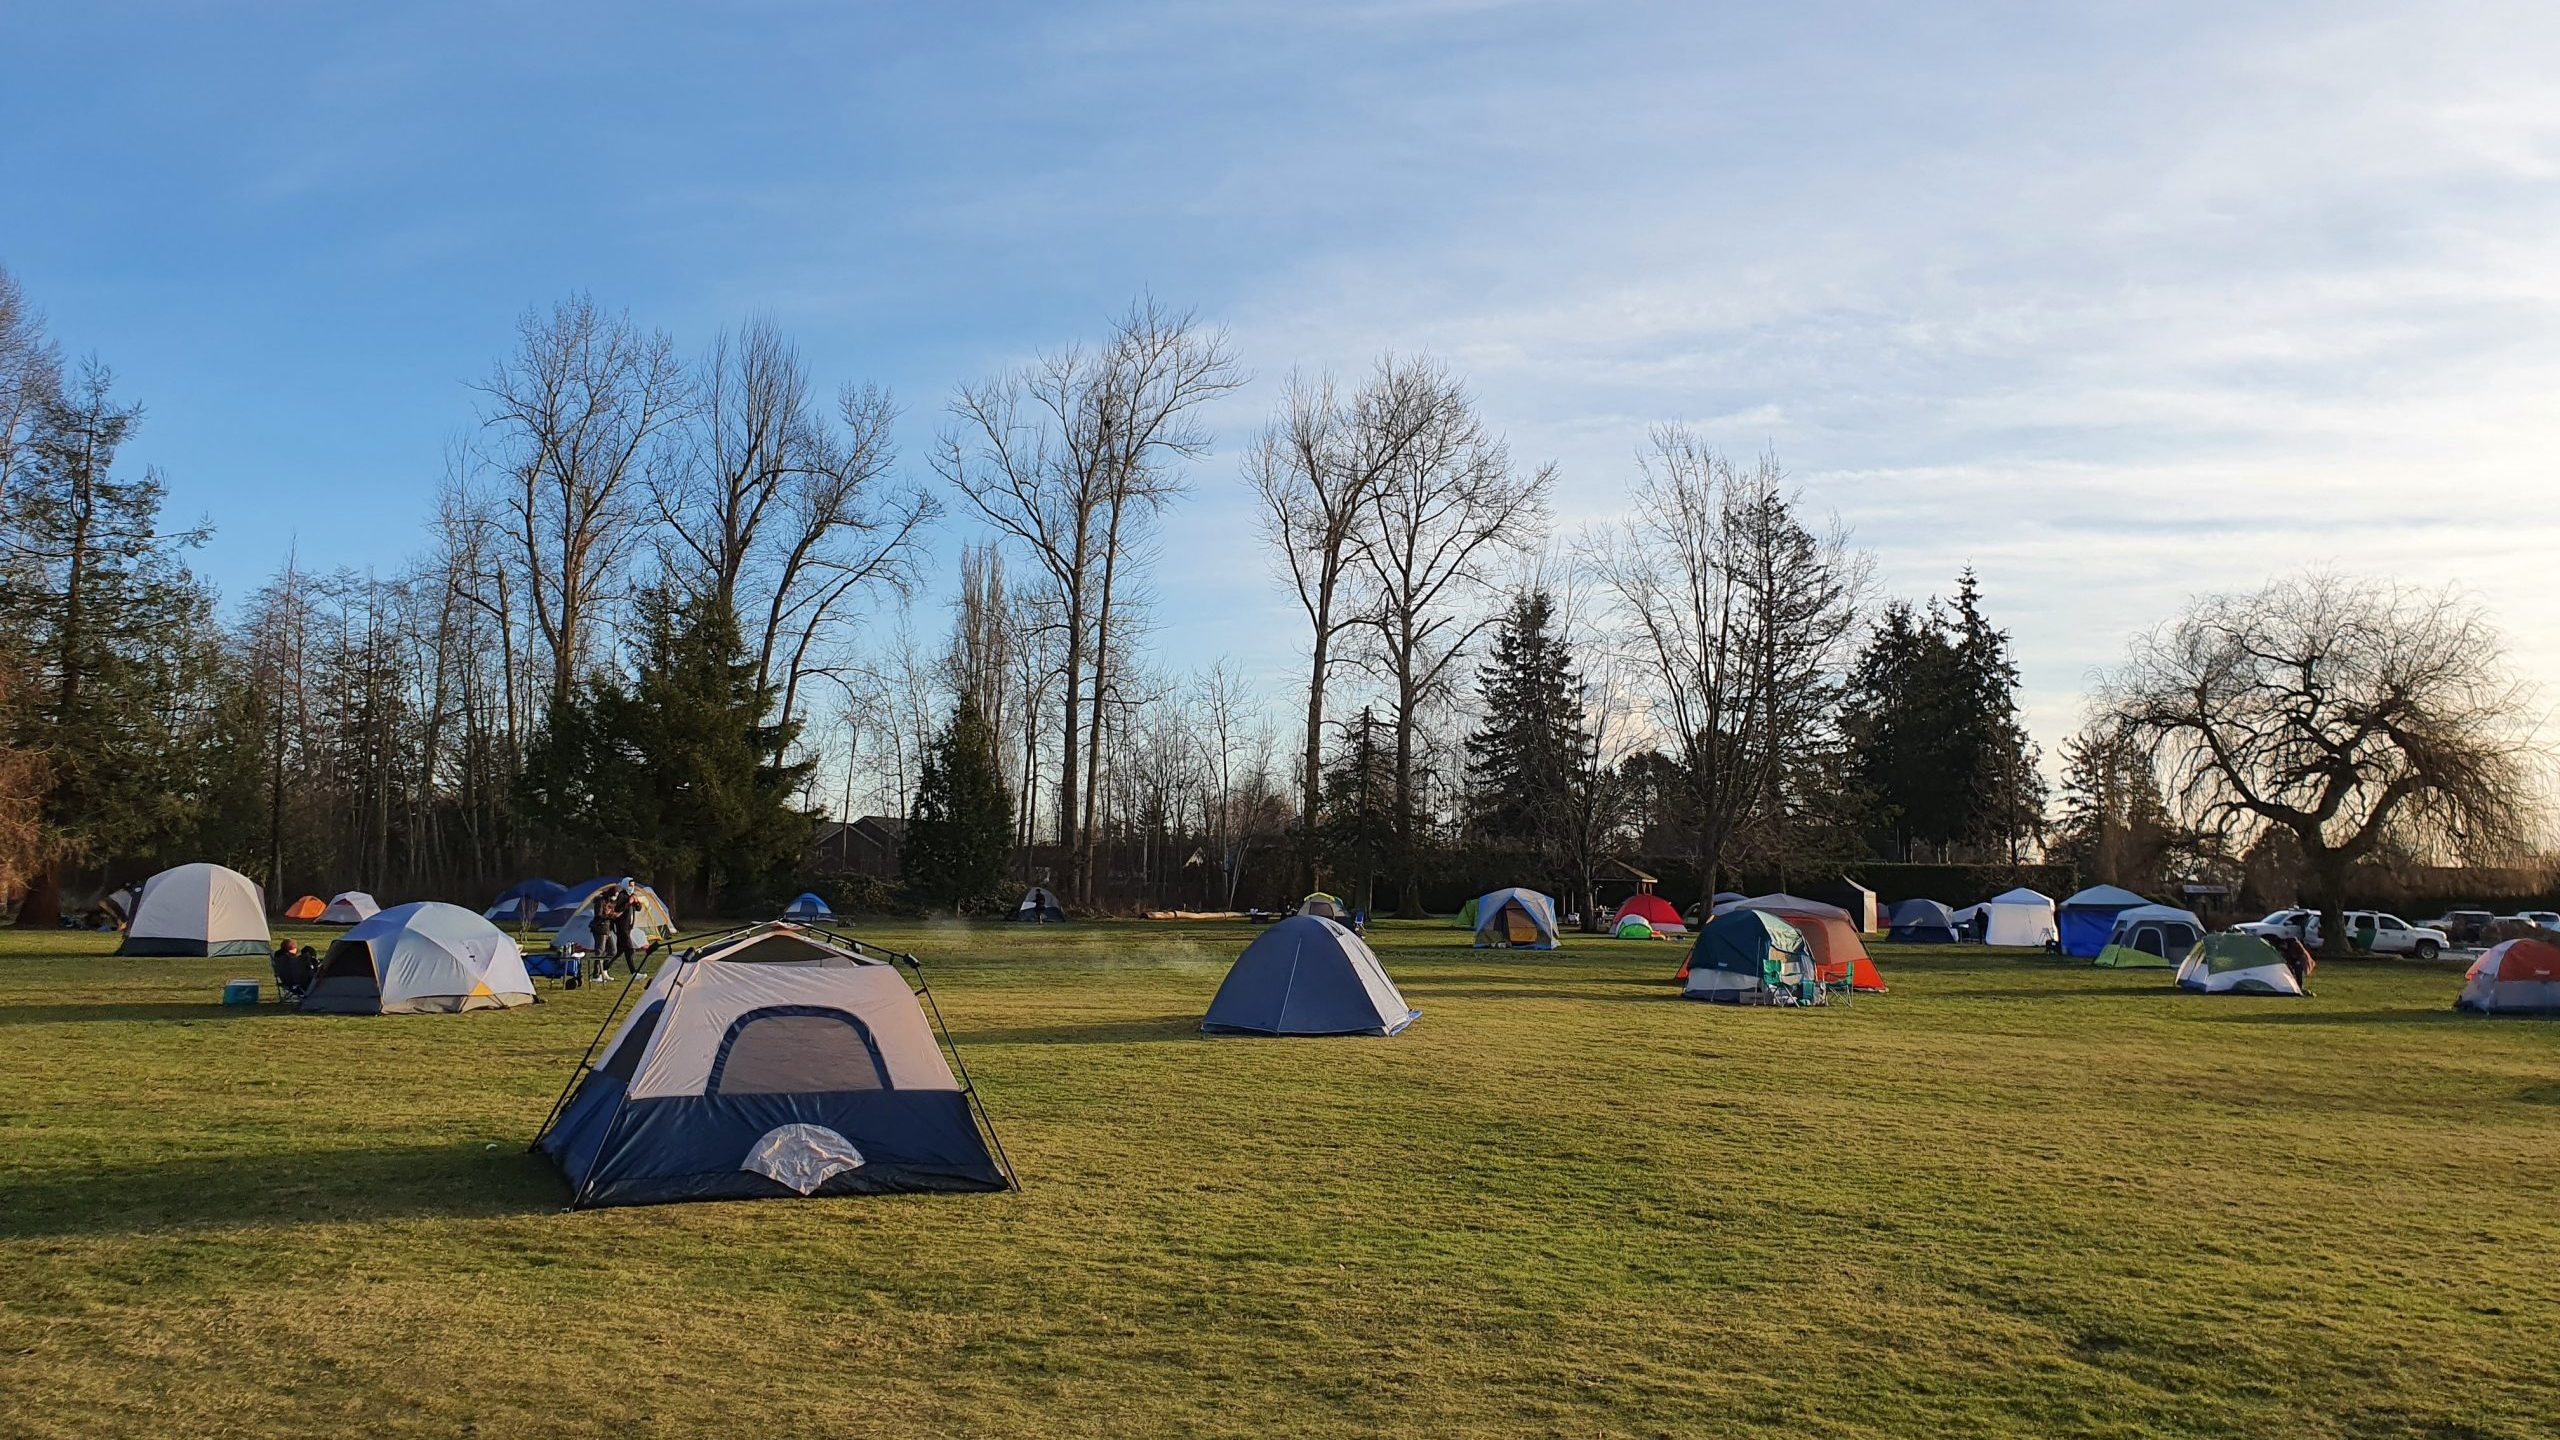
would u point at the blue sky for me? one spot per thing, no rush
(2113, 302)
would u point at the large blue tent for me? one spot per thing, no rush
(570, 900)
(2086, 919)
(1307, 975)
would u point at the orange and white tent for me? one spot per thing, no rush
(2513, 977)
(1653, 910)
(1838, 952)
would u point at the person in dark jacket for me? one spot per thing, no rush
(625, 901)
(600, 931)
(293, 966)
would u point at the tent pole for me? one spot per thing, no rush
(968, 1085)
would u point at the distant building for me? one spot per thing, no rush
(871, 845)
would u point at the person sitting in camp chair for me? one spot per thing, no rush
(294, 965)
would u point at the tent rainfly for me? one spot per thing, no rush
(523, 902)
(1658, 914)
(417, 958)
(1324, 907)
(2089, 917)
(1634, 928)
(1923, 922)
(1838, 952)
(348, 907)
(198, 910)
(1307, 975)
(776, 1061)
(1750, 957)
(2150, 937)
(1038, 907)
(2513, 977)
(2019, 918)
(2236, 964)
(1517, 918)
(650, 922)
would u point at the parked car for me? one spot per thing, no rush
(2547, 919)
(2463, 927)
(2373, 930)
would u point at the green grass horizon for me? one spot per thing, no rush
(2015, 1196)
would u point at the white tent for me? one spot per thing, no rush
(198, 910)
(426, 956)
(2019, 917)
(650, 922)
(347, 907)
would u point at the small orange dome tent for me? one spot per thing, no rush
(306, 908)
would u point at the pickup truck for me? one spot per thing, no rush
(2371, 930)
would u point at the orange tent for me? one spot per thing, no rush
(306, 908)
(1838, 953)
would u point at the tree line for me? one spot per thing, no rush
(662, 622)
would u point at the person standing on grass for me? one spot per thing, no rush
(626, 898)
(600, 930)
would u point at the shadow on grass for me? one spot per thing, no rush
(2048, 992)
(2291, 1016)
(464, 1181)
(1106, 1032)
(140, 1011)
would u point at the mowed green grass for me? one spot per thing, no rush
(2012, 1197)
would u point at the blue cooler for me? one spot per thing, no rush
(239, 992)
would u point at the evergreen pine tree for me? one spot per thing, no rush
(961, 833)
(673, 775)
(1523, 759)
(112, 628)
(1356, 833)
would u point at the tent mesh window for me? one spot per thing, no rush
(625, 1058)
(348, 959)
(797, 1050)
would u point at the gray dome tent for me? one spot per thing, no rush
(1307, 975)
(1038, 906)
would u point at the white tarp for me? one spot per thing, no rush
(803, 1157)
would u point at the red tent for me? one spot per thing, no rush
(1653, 910)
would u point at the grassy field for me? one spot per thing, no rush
(2010, 1198)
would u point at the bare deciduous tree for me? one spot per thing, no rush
(1448, 502)
(1067, 458)
(30, 373)
(579, 411)
(2361, 717)
(1316, 471)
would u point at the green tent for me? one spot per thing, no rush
(2236, 964)
(1634, 927)
(1467, 916)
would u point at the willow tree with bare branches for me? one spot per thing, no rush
(2366, 719)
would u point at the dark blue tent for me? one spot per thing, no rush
(1924, 922)
(2088, 918)
(1307, 975)
(570, 900)
(810, 906)
(1750, 957)
(774, 1062)
(524, 901)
